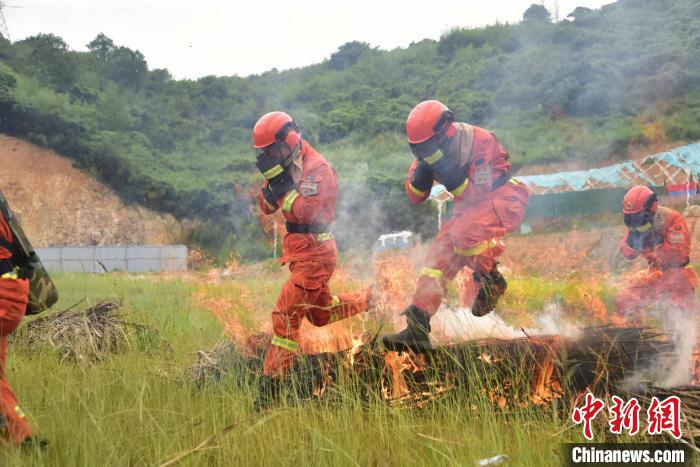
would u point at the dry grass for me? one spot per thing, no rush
(84, 336)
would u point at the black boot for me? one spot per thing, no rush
(268, 392)
(416, 335)
(493, 285)
(33, 443)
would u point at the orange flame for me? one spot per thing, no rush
(400, 363)
(545, 383)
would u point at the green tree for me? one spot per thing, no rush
(348, 54)
(52, 60)
(537, 13)
(127, 67)
(101, 46)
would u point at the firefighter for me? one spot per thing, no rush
(301, 183)
(661, 236)
(488, 204)
(14, 295)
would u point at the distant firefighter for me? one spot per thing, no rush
(661, 236)
(303, 184)
(488, 204)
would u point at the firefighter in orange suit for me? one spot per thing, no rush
(661, 236)
(488, 204)
(301, 183)
(14, 295)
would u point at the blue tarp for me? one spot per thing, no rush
(685, 157)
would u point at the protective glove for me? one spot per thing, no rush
(269, 165)
(422, 177)
(280, 182)
(448, 172)
(269, 196)
(634, 240)
(639, 241)
(281, 185)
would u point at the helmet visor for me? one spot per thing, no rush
(279, 150)
(639, 221)
(425, 149)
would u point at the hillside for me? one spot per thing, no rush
(60, 205)
(595, 87)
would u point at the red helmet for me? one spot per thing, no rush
(273, 127)
(638, 199)
(426, 120)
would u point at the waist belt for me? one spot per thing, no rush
(500, 181)
(307, 228)
(682, 265)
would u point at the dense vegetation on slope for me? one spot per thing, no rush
(586, 88)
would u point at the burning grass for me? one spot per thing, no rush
(514, 369)
(141, 408)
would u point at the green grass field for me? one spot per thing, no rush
(141, 408)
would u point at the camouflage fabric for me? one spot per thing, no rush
(42, 291)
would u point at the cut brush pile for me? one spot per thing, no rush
(532, 370)
(81, 335)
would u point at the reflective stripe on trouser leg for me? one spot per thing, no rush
(430, 289)
(431, 272)
(476, 249)
(286, 344)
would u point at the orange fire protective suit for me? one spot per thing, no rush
(14, 294)
(487, 207)
(312, 259)
(669, 280)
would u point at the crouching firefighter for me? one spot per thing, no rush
(660, 235)
(25, 288)
(301, 183)
(488, 204)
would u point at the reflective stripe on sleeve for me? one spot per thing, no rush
(286, 344)
(431, 272)
(325, 236)
(476, 249)
(434, 158)
(269, 206)
(415, 190)
(273, 172)
(458, 191)
(20, 412)
(643, 228)
(10, 275)
(289, 200)
(335, 301)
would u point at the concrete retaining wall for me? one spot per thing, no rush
(156, 258)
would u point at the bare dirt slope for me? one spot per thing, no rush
(60, 205)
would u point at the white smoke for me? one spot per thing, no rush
(552, 321)
(678, 368)
(459, 325)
